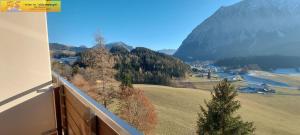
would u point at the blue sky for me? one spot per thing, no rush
(155, 24)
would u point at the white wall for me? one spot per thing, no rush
(25, 65)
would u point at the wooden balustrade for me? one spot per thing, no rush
(79, 114)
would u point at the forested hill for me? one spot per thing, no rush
(62, 47)
(61, 50)
(146, 66)
(116, 44)
(263, 62)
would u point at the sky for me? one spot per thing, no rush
(155, 24)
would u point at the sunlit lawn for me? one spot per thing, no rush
(177, 110)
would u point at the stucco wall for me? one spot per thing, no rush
(26, 105)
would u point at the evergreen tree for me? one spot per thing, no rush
(126, 80)
(219, 118)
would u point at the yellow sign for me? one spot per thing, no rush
(30, 5)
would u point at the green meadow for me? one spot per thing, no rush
(177, 109)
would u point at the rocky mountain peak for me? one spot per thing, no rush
(247, 28)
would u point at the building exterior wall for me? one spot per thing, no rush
(26, 102)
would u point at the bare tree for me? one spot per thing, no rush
(136, 109)
(100, 42)
(101, 70)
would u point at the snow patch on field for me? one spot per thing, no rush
(260, 73)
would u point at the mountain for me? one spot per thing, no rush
(58, 50)
(167, 51)
(110, 45)
(61, 47)
(270, 62)
(61, 50)
(247, 28)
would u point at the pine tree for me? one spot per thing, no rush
(219, 118)
(126, 80)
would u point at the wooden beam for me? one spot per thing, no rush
(93, 123)
(63, 110)
(57, 110)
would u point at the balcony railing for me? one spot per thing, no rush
(79, 114)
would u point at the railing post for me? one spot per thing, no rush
(58, 110)
(93, 124)
(63, 110)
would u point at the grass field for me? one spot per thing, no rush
(206, 84)
(177, 110)
(289, 79)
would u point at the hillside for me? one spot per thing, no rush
(247, 28)
(61, 50)
(146, 66)
(61, 47)
(178, 107)
(114, 44)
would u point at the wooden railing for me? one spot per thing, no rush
(79, 114)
